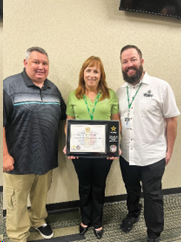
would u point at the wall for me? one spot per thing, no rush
(1, 96)
(71, 31)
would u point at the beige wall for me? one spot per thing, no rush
(71, 31)
(1, 96)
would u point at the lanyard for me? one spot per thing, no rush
(130, 103)
(88, 109)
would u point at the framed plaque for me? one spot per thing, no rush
(93, 138)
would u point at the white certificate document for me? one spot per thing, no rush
(87, 138)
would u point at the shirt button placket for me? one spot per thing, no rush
(41, 95)
(131, 150)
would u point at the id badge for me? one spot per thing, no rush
(127, 123)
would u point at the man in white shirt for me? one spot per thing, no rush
(148, 113)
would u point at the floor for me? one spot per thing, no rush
(1, 217)
(65, 224)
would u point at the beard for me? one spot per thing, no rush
(136, 77)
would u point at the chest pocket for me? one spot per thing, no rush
(149, 106)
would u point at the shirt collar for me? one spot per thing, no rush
(144, 80)
(29, 82)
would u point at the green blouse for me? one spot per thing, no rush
(103, 109)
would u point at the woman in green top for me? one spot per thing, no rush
(92, 100)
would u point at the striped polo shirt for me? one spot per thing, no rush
(31, 118)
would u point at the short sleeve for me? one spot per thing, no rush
(70, 109)
(114, 99)
(169, 108)
(7, 108)
(63, 109)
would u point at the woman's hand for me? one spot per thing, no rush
(114, 158)
(69, 157)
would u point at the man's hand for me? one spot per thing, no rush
(8, 160)
(168, 157)
(8, 163)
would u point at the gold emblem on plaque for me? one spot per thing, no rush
(113, 128)
(87, 129)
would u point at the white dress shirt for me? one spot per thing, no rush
(143, 137)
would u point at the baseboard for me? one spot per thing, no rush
(74, 205)
(171, 191)
(54, 208)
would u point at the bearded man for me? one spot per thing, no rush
(148, 113)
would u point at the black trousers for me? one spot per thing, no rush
(92, 174)
(151, 177)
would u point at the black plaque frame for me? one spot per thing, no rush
(111, 138)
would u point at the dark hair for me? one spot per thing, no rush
(35, 48)
(131, 47)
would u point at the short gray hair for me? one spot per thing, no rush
(35, 48)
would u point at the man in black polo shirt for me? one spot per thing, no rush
(33, 108)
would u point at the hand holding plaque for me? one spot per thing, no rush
(93, 138)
